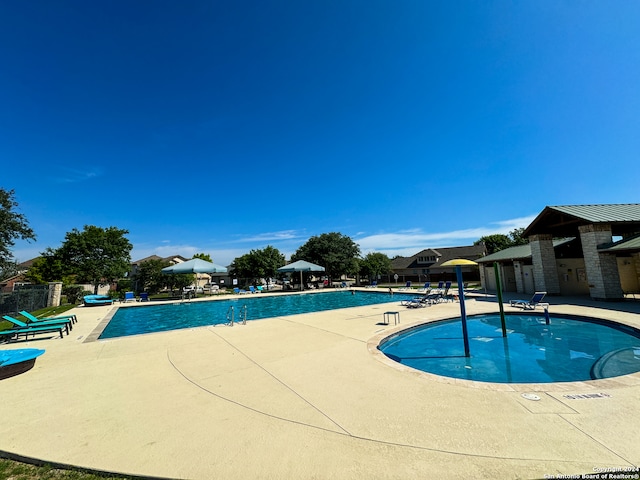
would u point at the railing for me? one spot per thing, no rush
(242, 317)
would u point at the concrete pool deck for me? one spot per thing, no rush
(308, 396)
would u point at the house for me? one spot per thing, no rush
(424, 266)
(574, 250)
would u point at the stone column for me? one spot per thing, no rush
(517, 267)
(543, 256)
(55, 293)
(602, 268)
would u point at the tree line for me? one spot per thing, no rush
(101, 256)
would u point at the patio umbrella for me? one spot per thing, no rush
(458, 263)
(195, 265)
(301, 266)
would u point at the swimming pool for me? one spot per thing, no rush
(568, 349)
(159, 318)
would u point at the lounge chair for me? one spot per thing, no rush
(417, 302)
(252, 289)
(34, 319)
(426, 288)
(129, 297)
(16, 332)
(97, 300)
(44, 323)
(530, 304)
(239, 290)
(144, 297)
(407, 286)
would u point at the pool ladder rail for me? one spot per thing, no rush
(242, 318)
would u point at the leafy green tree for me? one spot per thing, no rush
(337, 253)
(149, 277)
(47, 268)
(498, 241)
(203, 256)
(13, 226)
(375, 264)
(258, 263)
(99, 256)
(517, 238)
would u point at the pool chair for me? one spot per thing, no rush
(34, 319)
(418, 302)
(530, 304)
(144, 297)
(129, 297)
(18, 324)
(8, 335)
(426, 288)
(252, 289)
(15, 362)
(238, 290)
(97, 300)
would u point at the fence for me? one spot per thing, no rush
(24, 297)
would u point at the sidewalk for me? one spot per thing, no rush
(307, 396)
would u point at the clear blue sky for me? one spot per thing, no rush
(222, 127)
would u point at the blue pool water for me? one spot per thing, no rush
(566, 350)
(159, 318)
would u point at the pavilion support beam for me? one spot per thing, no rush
(601, 268)
(545, 272)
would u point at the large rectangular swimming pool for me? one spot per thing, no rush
(173, 316)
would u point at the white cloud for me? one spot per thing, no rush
(70, 175)
(409, 242)
(272, 236)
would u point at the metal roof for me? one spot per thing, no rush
(632, 243)
(564, 220)
(519, 252)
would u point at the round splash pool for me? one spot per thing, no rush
(567, 349)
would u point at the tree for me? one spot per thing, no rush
(517, 238)
(203, 256)
(494, 243)
(13, 226)
(149, 277)
(337, 253)
(47, 268)
(96, 255)
(375, 264)
(259, 263)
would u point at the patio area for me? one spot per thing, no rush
(308, 396)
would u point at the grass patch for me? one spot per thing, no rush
(12, 470)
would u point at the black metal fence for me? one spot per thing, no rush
(24, 297)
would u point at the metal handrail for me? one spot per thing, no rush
(243, 315)
(230, 313)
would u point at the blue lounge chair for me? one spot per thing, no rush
(529, 304)
(426, 288)
(252, 289)
(129, 297)
(144, 297)
(96, 300)
(34, 319)
(45, 323)
(8, 335)
(238, 290)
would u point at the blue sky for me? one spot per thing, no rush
(222, 127)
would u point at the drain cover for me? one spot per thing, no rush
(530, 396)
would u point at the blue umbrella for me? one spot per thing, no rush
(301, 266)
(195, 265)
